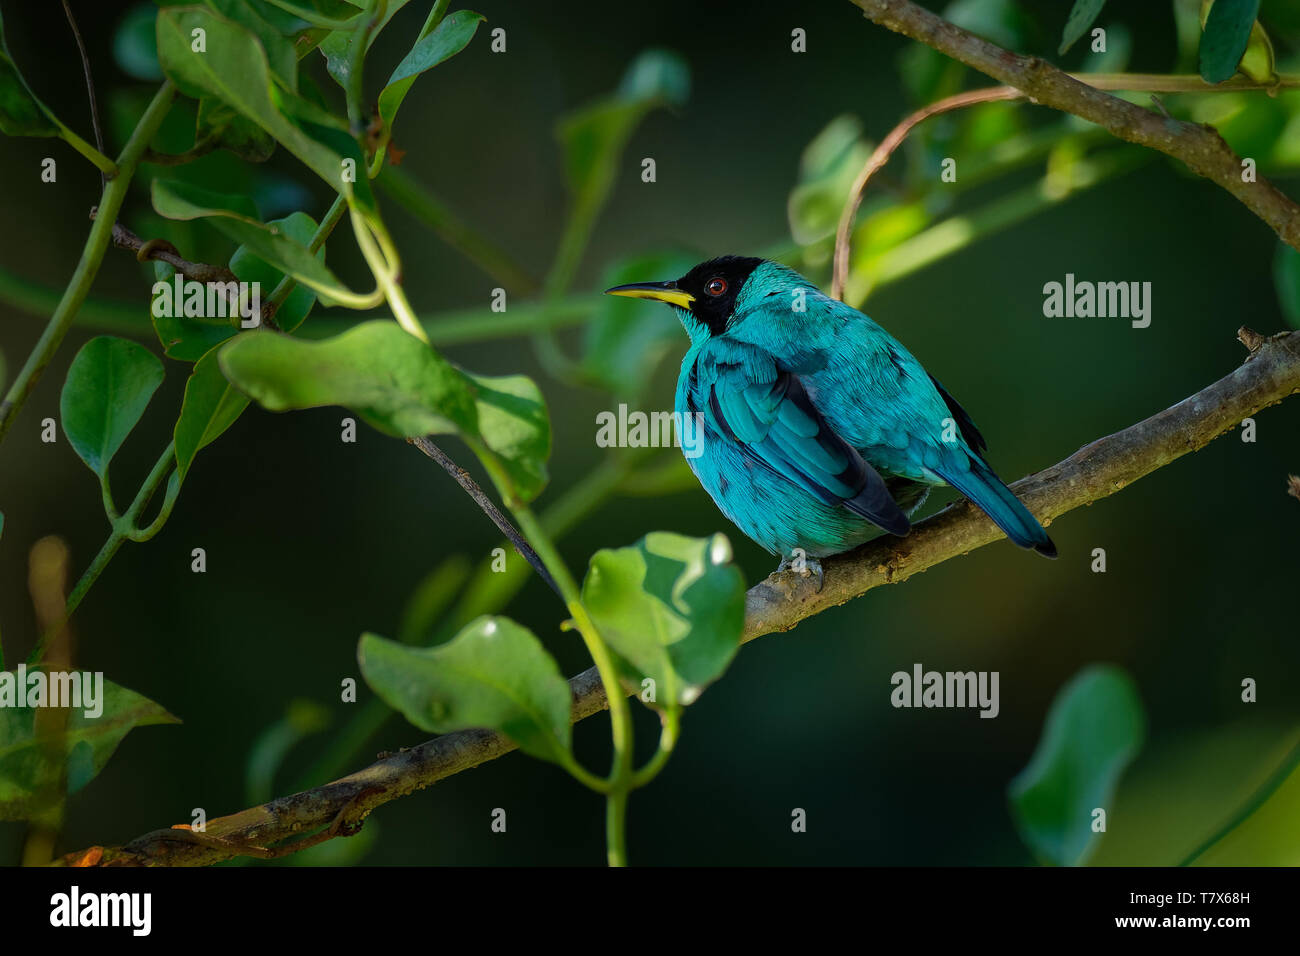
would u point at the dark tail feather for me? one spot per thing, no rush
(995, 499)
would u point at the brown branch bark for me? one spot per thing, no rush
(1270, 373)
(1200, 147)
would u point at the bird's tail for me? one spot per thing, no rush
(995, 499)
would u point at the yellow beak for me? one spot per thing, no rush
(659, 291)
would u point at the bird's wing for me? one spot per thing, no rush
(766, 411)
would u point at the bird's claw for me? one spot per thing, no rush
(804, 566)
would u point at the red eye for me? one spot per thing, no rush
(716, 286)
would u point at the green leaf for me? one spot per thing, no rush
(594, 137)
(1082, 15)
(135, 44)
(42, 748)
(1223, 42)
(248, 266)
(108, 386)
(388, 377)
(494, 674)
(21, 113)
(1286, 277)
(237, 219)
(336, 47)
(233, 68)
(513, 422)
(451, 36)
(1094, 728)
(627, 338)
(279, 51)
(672, 607)
(211, 406)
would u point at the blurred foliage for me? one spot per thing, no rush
(224, 192)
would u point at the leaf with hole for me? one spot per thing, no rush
(494, 674)
(1094, 728)
(671, 607)
(109, 384)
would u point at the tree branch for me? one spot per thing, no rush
(1270, 373)
(1201, 148)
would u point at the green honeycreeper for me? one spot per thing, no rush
(818, 426)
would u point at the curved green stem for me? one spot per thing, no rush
(102, 162)
(381, 255)
(667, 741)
(124, 529)
(92, 255)
(620, 780)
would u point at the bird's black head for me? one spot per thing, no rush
(708, 292)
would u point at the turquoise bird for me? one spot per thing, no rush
(819, 428)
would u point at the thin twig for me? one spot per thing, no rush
(1199, 147)
(90, 87)
(881, 156)
(161, 250)
(1270, 374)
(483, 501)
(1099, 81)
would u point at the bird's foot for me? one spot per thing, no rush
(805, 566)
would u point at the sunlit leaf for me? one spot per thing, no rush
(494, 674)
(513, 422)
(388, 377)
(672, 607)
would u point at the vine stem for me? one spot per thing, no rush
(124, 529)
(101, 233)
(620, 780)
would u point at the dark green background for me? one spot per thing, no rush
(311, 541)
